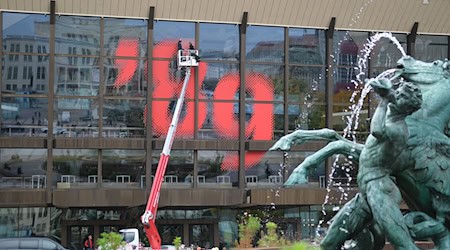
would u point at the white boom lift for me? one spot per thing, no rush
(185, 59)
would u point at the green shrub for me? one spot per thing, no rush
(177, 242)
(247, 231)
(271, 238)
(110, 241)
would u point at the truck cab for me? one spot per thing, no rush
(131, 237)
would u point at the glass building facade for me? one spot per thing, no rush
(112, 83)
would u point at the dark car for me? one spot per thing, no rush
(29, 243)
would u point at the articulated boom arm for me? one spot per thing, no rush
(148, 218)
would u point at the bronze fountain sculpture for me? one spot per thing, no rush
(407, 155)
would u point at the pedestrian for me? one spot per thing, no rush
(88, 243)
(268, 171)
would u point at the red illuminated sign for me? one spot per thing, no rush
(225, 122)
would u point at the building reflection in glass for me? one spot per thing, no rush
(75, 166)
(23, 168)
(30, 221)
(123, 168)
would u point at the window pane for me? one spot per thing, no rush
(306, 84)
(169, 232)
(265, 44)
(221, 120)
(125, 77)
(162, 116)
(345, 82)
(123, 118)
(341, 116)
(224, 73)
(76, 117)
(168, 214)
(278, 129)
(219, 41)
(20, 27)
(306, 46)
(386, 54)
(167, 34)
(168, 80)
(295, 158)
(306, 116)
(23, 168)
(75, 214)
(213, 166)
(125, 37)
(431, 48)
(111, 215)
(9, 221)
(228, 227)
(208, 213)
(267, 172)
(75, 34)
(76, 165)
(343, 78)
(27, 75)
(307, 88)
(264, 82)
(345, 85)
(123, 168)
(347, 46)
(261, 120)
(77, 76)
(202, 235)
(179, 170)
(24, 116)
(34, 221)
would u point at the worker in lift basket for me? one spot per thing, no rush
(192, 51)
(180, 47)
